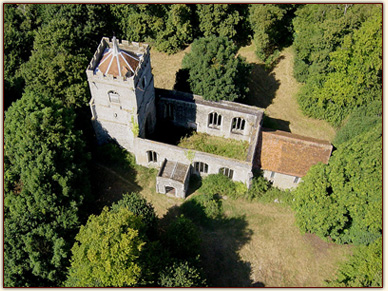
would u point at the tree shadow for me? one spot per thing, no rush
(113, 173)
(222, 238)
(262, 86)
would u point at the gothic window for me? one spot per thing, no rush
(114, 97)
(214, 120)
(238, 124)
(169, 111)
(201, 167)
(152, 156)
(143, 82)
(226, 172)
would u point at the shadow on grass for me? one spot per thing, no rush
(275, 123)
(222, 238)
(113, 173)
(262, 86)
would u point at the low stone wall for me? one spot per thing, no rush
(242, 171)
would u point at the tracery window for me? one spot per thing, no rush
(214, 120)
(238, 124)
(226, 172)
(201, 167)
(152, 156)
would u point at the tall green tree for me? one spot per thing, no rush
(226, 20)
(62, 51)
(45, 181)
(215, 72)
(343, 200)
(178, 30)
(320, 29)
(354, 75)
(107, 251)
(181, 274)
(272, 29)
(140, 22)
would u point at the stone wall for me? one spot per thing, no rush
(281, 181)
(242, 170)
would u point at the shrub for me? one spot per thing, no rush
(217, 184)
(283, 197)
(181, 274)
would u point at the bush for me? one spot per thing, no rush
(258, 188)
(217, 184)
(112, 153)
(181, 274)
(283, 197)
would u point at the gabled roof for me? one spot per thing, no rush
(291, 154)
(118, 62)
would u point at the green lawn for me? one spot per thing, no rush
(226, 147)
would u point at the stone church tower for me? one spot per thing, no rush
(122, 89)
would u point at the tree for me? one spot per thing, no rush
(62, 51)
(354, 77)
(363, 269)
(107, 251)
(343, 200)
(139, 206)
(178, 31)
(214, 70)
(45, 181)
(20, 21)
(181, 274)
(320, 29)
(140, 22)
(271, 25)
(225, 20)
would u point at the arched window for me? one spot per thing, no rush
(214, 120)
(201, 167)
(152, 156)
(238, 124)
(114, 97)
(226, 172)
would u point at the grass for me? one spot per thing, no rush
(226, 147)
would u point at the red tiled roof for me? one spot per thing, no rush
(291, 154)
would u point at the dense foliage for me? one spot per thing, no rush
(339, 57)
(107, 251)
(343, 200)
(45, 181)
(214, 70)
(272, 29)
(363, 269)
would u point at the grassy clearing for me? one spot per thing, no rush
(226, 147)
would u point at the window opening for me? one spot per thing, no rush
(152, 156)
(169, 111)
(201, 167)
(238, 124)
(214, 120)
(226, 172)
(296, 180)
(272, 175)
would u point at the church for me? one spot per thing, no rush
(127, 108)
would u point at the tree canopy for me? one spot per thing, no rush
(343, 200)
(107, 251)
(45, 181)
(215, 72)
